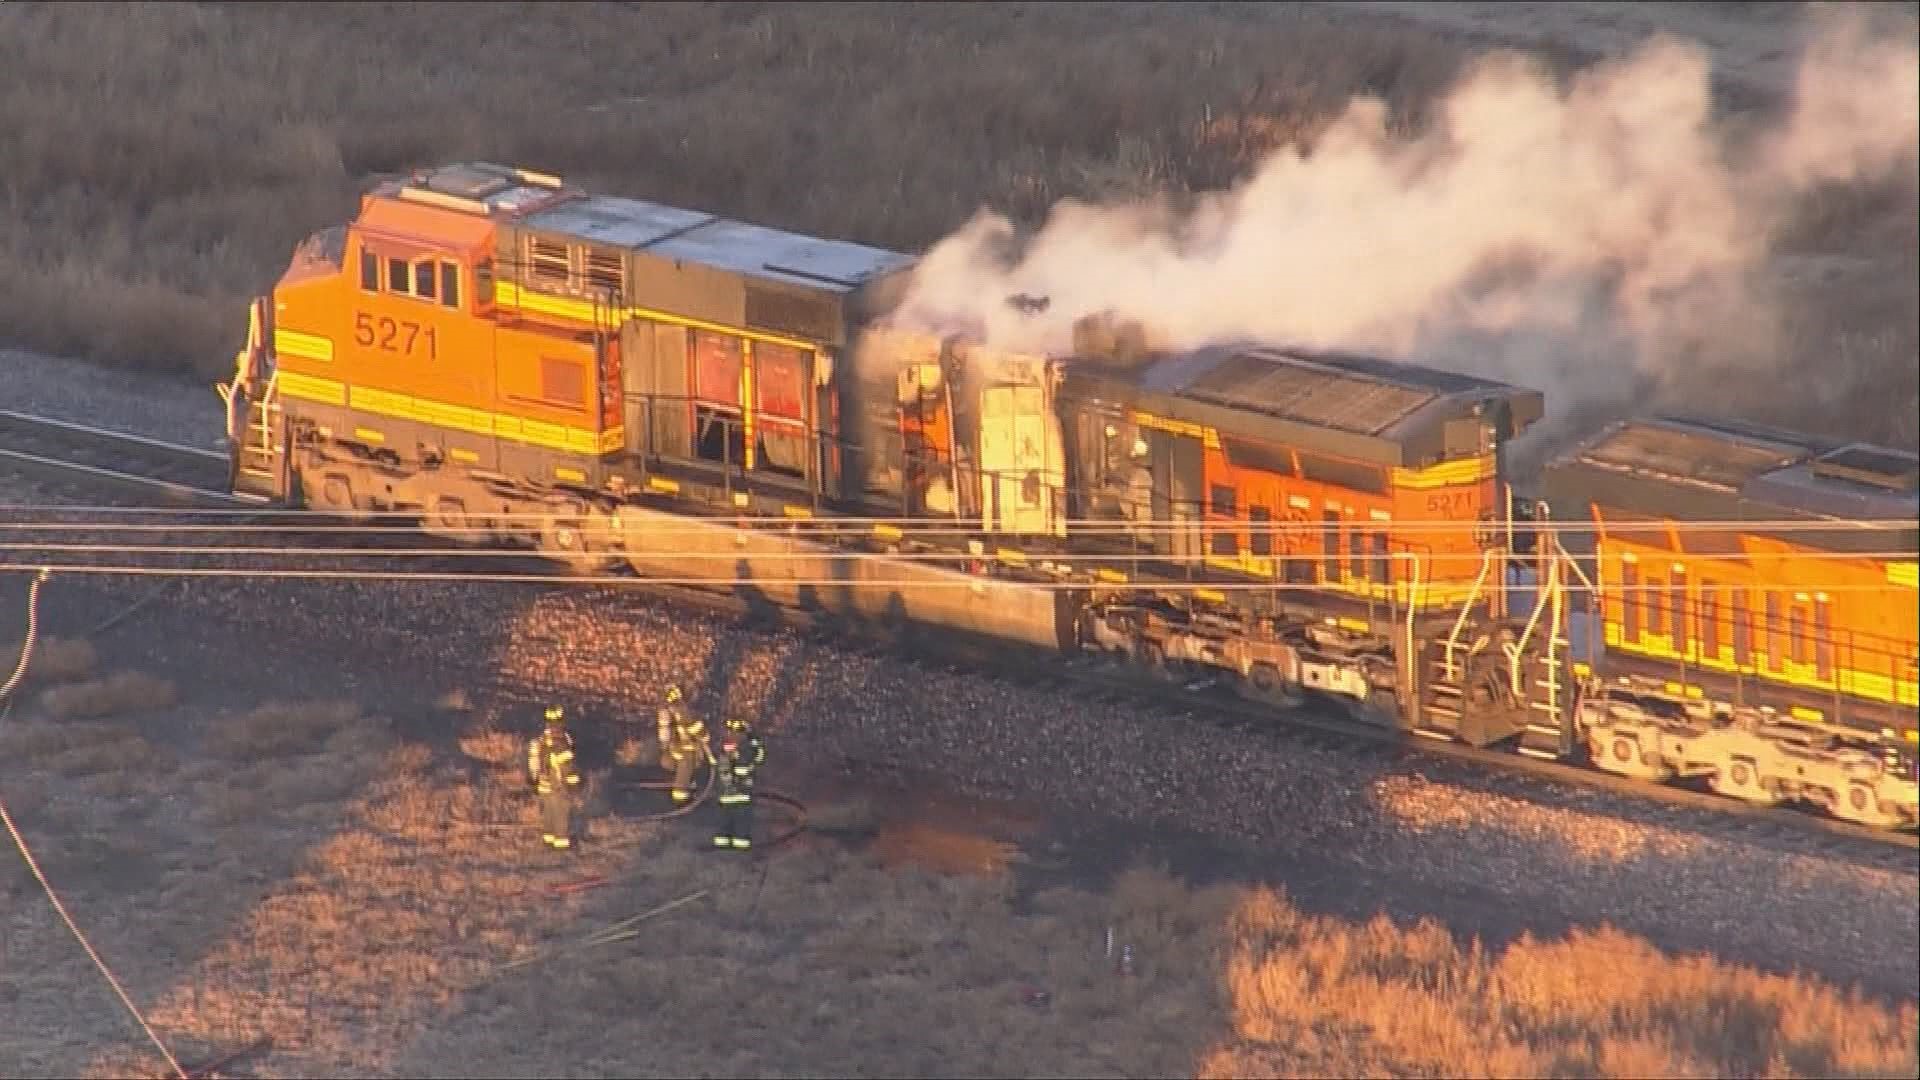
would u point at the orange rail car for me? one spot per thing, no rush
(1744, 572)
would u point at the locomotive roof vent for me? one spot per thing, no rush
(481, 188)
(1870, 465)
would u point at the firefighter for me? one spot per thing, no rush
(741, 752)
(551, 774)
(666, 718)
(686, 748)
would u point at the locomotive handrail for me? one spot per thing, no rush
(1459, 623)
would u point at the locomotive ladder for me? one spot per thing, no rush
(1544, 676)
(256, 426)
(260, 459)
(1443, 700)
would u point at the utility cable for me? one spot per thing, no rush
(1469, 558)
(834, 583)
(20, 842)
(322, 521)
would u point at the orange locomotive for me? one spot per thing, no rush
(481, 326)
(1758, 610)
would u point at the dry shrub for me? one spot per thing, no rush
(492, 746)
(54, 660)
(121, 692)
(287, 729)
(1314, 996)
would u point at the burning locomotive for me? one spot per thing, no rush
(615, 381)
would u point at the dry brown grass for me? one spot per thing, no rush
(286, 729)
(54, 660)
(121, 692)
(355, 898)
(1316, 997)
(146, 196)
(76, 749)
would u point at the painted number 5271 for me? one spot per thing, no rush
(388, 334)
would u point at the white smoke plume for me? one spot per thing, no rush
(1592, 240)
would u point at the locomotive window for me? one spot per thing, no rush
(1330, 545)
(1261, 538)
(1742, 628)
(1222, 497)
(1797, 627)
(1382, 563)
(1822, 637)
(423, 279)
(399, 277)
(1357, 554)
(1630, 601)
(369, 271)
(483, 283)
(450, 284)
(1656, 595)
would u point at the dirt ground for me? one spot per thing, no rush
(306, 848)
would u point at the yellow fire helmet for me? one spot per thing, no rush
(736, 724)
(556, 715)
(673, 694)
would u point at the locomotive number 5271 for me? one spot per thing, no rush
(388, 334)
(1453, 504)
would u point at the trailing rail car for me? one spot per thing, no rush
(612, 381)
(1757, 611)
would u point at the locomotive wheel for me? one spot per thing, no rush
(449, 518)
(564, 540)
(332, 493)
(1863, 806)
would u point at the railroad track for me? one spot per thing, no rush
(187, 473)
(66, 450)
(1323, 726)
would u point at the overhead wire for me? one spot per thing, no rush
(965, 581)
(1472, 558)
(317, 521)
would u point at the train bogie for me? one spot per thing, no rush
(1746, 754)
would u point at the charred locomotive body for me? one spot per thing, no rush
(613, 381)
